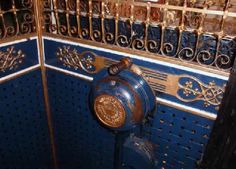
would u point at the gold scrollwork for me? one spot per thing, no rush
(87, 61)
(138, 44)
(186, 88)
(10, 59)
(186, 54)
(17, 18)
(109, 37)
(152, 46)
(86, 19)
(193, 89)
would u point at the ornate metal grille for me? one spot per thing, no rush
(197, 31)
(16, 18)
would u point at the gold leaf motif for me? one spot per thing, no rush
(186, 88)
(87, 61)
(194, 90)
(10, 59)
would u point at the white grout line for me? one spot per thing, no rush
(19, 73)
(226, 78)
(188, 109)
(17, 41)
(69, 72)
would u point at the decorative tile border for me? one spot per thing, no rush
(184, 87)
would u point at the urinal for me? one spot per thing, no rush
(122, 100)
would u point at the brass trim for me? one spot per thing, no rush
(38, 16)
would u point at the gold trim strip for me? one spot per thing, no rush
(38, 16)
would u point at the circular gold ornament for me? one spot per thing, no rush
(109, 111)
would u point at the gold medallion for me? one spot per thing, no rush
(109, 111)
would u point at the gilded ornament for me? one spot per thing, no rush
(180, 16)
(195, 90)
(10, 59)
(186, 88)
(87, 61)
(21, 20)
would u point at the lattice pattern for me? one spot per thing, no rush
(193, 31)
(16, 18)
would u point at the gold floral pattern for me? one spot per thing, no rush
(10, 59)
(193, 90)
(87, 61)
